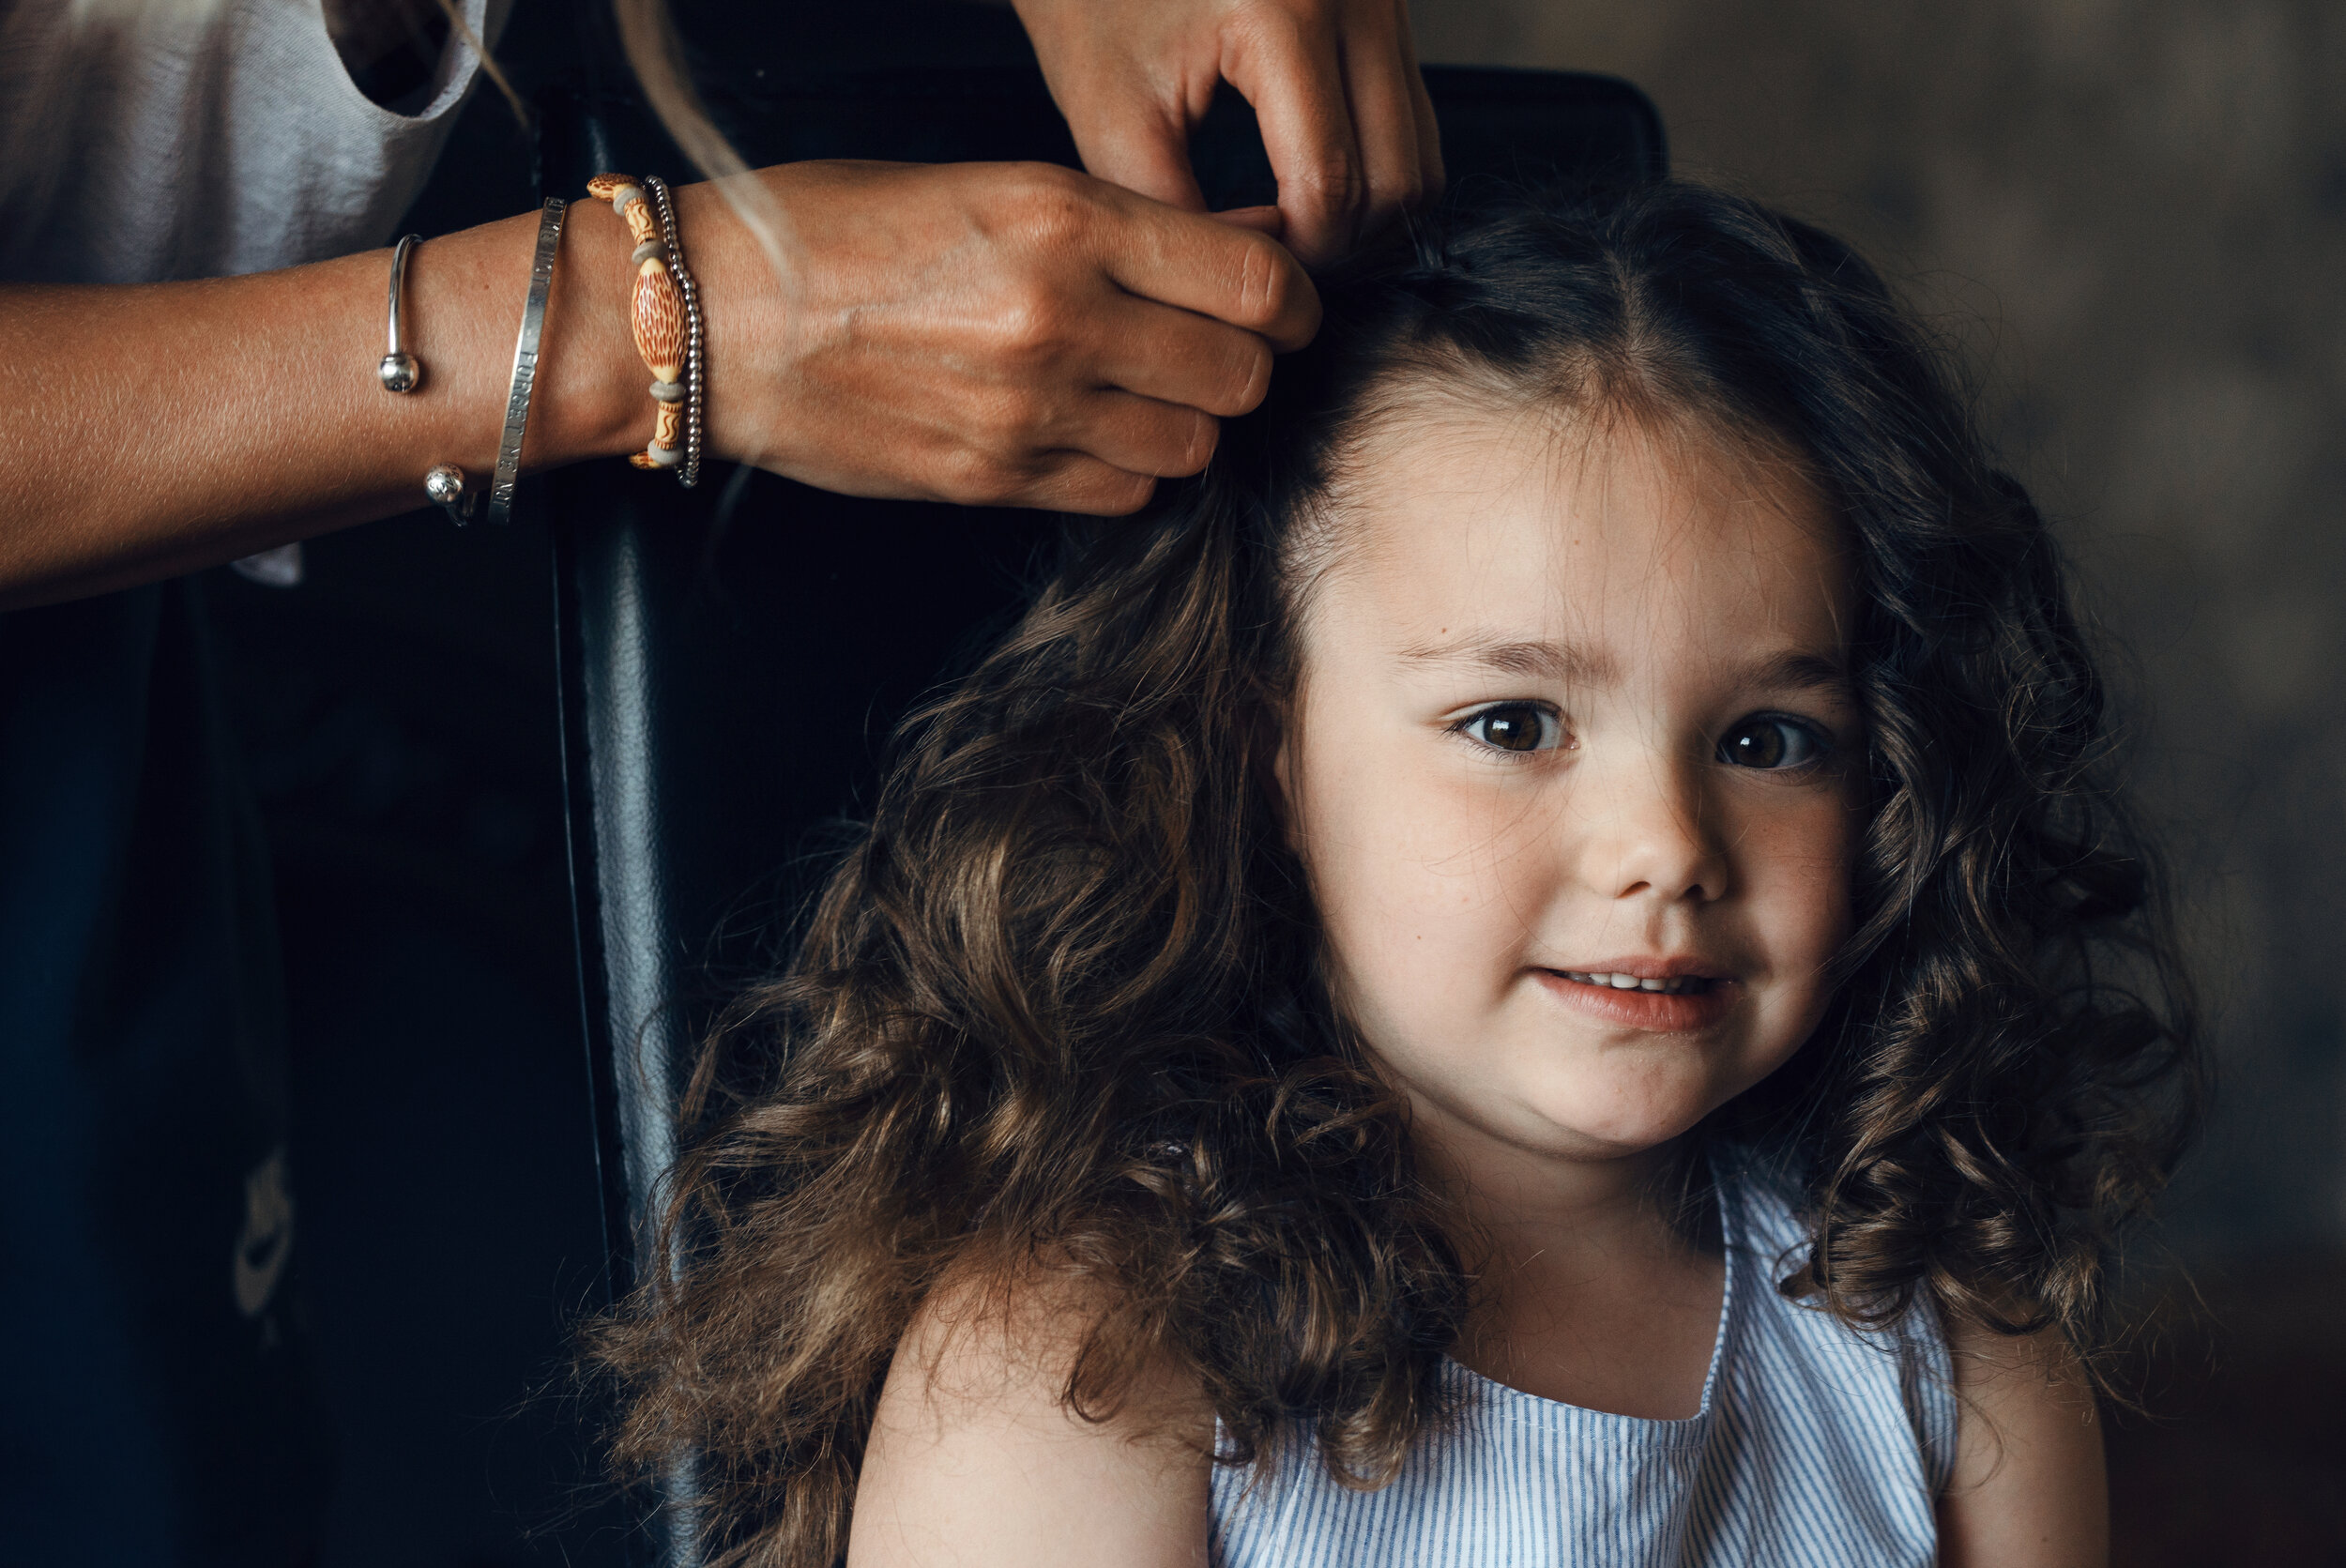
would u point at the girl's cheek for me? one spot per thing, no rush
(1421, 877)
(1451, 876)
(1801, 866)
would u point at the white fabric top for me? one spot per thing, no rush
(142, 140)
(1816, 1447)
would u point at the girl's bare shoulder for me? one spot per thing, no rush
(976, 1459)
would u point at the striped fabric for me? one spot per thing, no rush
(1815, 1446)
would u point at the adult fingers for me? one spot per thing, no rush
(1385, 89)
(1141, 436)
(1143, 148)
(1290, 71)
(1217, 269)
(1431, 175)
(1076, 481)
(1262, 220)
(1058, 478)
(1179, 357)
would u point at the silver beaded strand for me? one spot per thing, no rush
(689, 473)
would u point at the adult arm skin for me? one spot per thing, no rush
(1334, 84)
(973, 1462)
(1012, 334)
(2029, 1488)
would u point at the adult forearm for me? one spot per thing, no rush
(162, 427)
(998, 334)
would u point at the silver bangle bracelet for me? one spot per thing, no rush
(445, 485)
(399, 370)
(689, 474)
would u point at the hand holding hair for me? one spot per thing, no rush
(1012, 334)
(1334, 84)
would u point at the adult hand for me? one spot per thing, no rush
(1005, 334)
(1009, 334)
(1334, 84)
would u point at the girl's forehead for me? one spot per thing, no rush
(1598, 526)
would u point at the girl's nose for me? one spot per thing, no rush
(1650, 836)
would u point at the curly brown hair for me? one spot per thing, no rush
(1060, 1005)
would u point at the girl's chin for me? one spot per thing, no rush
(1607, 1139)
(1593, 1114)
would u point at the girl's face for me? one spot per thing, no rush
(1574, 770)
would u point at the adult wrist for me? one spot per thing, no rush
(744, 312)
(590, 392)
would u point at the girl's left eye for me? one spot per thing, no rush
(1769, 742)
(1515, 726)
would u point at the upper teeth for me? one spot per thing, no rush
(1631, 982)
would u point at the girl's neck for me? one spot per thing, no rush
(1598, 1280)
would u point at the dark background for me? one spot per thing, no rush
(2130, 217)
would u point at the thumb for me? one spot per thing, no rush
(1262, 220)
(1147, 154)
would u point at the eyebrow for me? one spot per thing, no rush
(1549, 661)
(1570, 663)
(1807, 672)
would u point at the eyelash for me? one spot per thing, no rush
(1821, 742)
(1549, 718)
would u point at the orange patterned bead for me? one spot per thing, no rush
(657, 316)
(659, 322)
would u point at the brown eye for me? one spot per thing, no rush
(1515, 726)
(1772, 743)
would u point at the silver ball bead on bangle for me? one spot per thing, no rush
(400, 372)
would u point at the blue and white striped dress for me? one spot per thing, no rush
(1816, 1446)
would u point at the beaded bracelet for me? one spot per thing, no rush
(695, 387)
(666, 320)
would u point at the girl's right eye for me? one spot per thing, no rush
(1515, 726)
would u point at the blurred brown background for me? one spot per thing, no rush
(2130, 214)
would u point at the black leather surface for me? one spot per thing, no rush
(727, 684)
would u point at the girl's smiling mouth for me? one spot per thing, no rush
(1667, 996)
(1621, 980)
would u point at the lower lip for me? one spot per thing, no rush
(1659, 1011)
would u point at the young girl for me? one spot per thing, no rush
(1533, 970)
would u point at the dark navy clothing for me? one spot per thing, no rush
(154, 1402)
(157, 1407)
